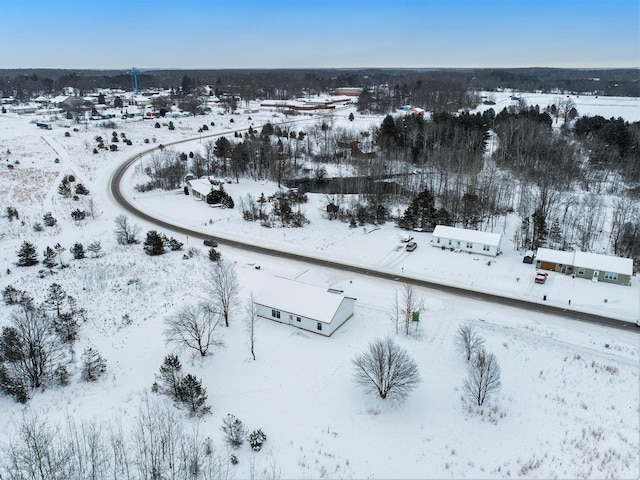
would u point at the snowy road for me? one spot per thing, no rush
(116, 180)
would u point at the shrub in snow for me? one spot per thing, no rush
(12, 213)
(78, 214)
(81, 189)
(48, 220)
(257, 439)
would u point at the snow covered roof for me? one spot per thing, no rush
(200, 185)
(465, 235)
(605, 263)
(555, 256)
(301, 299)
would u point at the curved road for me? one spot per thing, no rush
(116, 179)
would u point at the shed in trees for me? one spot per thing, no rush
(308, 307)
(462, 239)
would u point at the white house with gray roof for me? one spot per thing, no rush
(309, 307)
(462, 239)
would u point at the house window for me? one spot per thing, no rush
(298, 319)
(469, 245)
(290, 317)
(485, 248)
(275, 313)
(319, 326)
(610, 276)
(581, 271)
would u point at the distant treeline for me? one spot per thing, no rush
(411, 85)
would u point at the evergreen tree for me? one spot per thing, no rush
(93, 365)
(59, 250)
(64, 189)
(471, 216)
(27, 255)
(555, 233)
(170, 376)
(48, 220)
(117, 102)
(154, 244)
(193, 395)
(421, 213)
(78, 214)
(56, 298)
(77, 251)
(49, 259)
(95, 248)
(14, 296)
(66, 326)
(234, 431)
(539, 228)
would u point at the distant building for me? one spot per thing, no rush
(348, 91)
(308, 307)
(462, 239)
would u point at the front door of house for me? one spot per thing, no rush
(596, 274)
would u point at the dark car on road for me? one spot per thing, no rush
(210, 242)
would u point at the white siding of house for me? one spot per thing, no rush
(482, 243)
(312, 304)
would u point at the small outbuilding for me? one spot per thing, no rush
(462, 239)
(308, 307)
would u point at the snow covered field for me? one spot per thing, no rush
(569, 404)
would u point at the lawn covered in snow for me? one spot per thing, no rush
(569, 403)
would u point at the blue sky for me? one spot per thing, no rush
(120, 34)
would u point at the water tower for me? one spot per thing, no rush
(134, 80)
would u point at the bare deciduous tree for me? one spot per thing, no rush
(411, 303)
(484, 376)
(223, 288)
(468, 341)
(125, 232)
(252, 316)
(387, 369)
(195, 326)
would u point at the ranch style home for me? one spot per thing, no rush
(592, 266)
(308, 307)
(462, 239)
